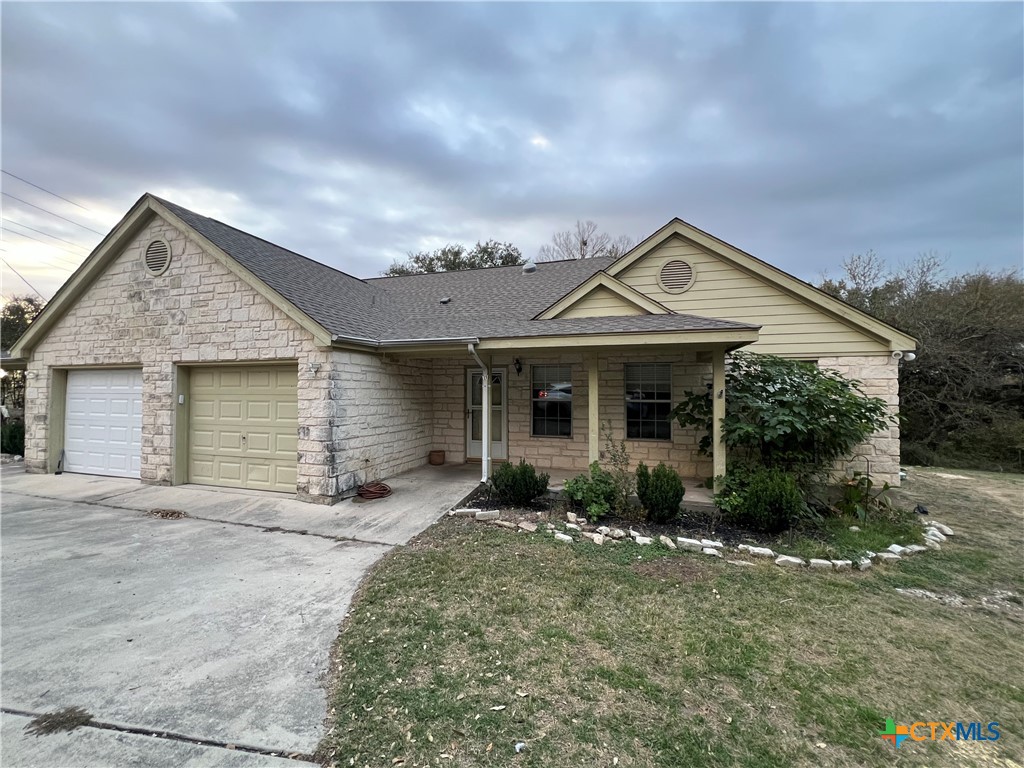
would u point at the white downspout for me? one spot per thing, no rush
(485, 427)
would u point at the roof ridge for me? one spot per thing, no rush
(493, 266)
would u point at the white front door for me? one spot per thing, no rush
(474, 415)
(103, 422)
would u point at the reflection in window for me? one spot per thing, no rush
(552, 400)
(648, 401)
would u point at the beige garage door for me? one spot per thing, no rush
(243, 425)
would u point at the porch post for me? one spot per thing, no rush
(593, 411)
(485, 428)
(717, 412)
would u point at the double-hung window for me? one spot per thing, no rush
(552, 401)
(648, 401)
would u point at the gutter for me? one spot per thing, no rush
(485, 416)
(376, 344)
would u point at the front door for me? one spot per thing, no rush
(474, 415)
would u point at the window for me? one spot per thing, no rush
(552, 400)
(648, 401)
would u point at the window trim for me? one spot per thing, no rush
(533, 368)
(625, 404)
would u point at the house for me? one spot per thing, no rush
(186, 351)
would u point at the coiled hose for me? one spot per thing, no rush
(373, 491)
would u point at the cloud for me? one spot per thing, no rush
(354, 133)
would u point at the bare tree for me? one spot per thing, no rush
(583, 242)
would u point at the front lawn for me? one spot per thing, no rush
(476, 638)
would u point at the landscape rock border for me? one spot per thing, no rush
(935, 534)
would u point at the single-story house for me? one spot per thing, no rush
(184, 350)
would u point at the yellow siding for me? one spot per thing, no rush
(790, 327)
(602, 302)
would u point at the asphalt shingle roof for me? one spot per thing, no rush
(498, 302)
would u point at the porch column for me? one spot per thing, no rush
(717, 412)
(485, 427)
(593, 411)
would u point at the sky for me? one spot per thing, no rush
(356, 133)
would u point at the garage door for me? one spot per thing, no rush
(243, 427)
(103, 422)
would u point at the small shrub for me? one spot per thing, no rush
(621, 475)
(594, 493)
(767, 500)
(12, 437)
(518, 484)
(660, 492)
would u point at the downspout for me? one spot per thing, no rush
(485, 417)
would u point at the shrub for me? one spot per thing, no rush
(660, 492)
(12, 437)
(621, 474)
(594, 493)
(518, 484)
(761, 499)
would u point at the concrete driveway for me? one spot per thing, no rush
(207, 631)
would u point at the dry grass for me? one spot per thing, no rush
(476, 638)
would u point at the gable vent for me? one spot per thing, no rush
(158, 257)
(676, 276)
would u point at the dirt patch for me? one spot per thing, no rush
(674, 569)
(63, 720)
(167, 514)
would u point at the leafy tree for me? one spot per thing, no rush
(786, 414)
(962, 398)
(583, 242)
(15, 318)
(454, 257)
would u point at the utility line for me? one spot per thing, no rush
(26, 181)
(51, 245)
(47, 234)
(33, 205)
(26, 282)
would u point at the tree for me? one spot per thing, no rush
(15, 318)
(583, 242)
(962, 398)
(455, 257)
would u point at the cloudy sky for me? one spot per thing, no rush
(354, 133)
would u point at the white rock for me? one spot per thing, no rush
(932, 544)
(711, 543)
(934, 534)
(571, 517)
(761, 552)
(528, 527)
(822, 565)
(604, 530)
(945, 530)
(504, 524)
(896, 549)
(742, 547)
(843, 565)
(863, 564)
(617, 533)
(464, 512)
(854, 528)
(666, 541)
(738, 562)
(597, 538)
(564, 537)
(551, 526)
(888, 557)
(488, 514)
(795, 562)
(913, 549)
(572, 526)
(693, 545)
(644, 540)
(871, 554)
(711, 551)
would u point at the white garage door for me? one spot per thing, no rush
(103, 424)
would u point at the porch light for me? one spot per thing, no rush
(518, 365)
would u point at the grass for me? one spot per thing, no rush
(476, 638)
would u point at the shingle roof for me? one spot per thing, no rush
(498, 302)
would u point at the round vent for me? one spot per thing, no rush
(158, 257)
(676, 276)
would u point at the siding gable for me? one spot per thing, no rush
(791, 326)
(602, 302)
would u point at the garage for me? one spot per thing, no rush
(103, 422)
(243, 427)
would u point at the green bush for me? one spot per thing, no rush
(766, 500)
(660, 492)
(12, 437)
(518, 484)
(594, 493)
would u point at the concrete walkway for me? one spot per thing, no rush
(209, 628)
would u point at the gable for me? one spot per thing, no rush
(791, 324)
(601, 295)
(602, 302)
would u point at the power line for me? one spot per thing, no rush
(26, 181)
(26, 282)
(51, 245)
(33, 205)
(30, 229)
